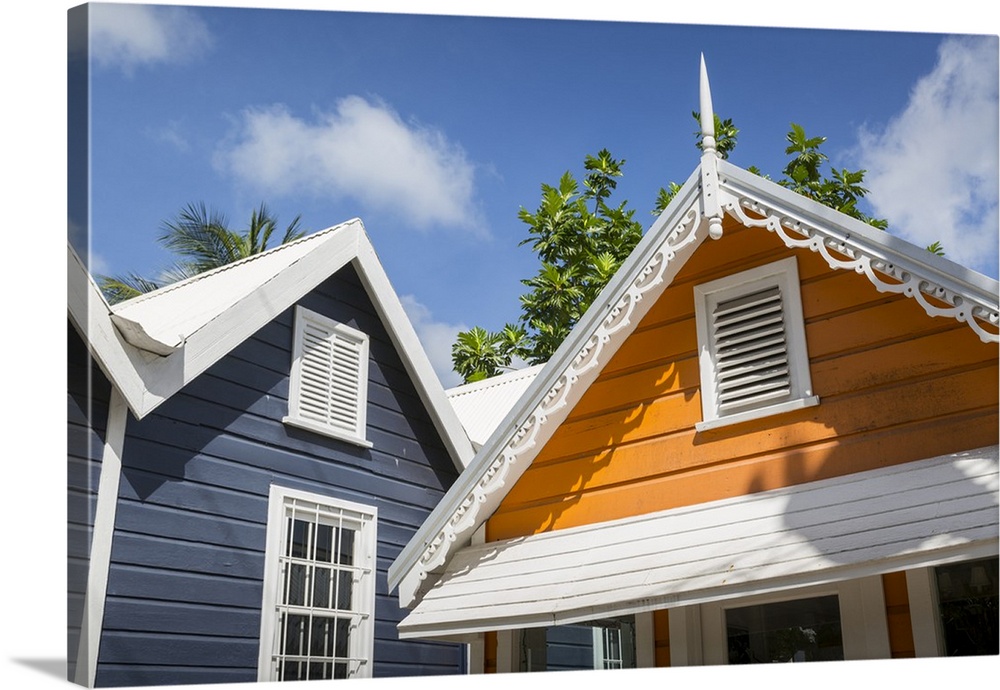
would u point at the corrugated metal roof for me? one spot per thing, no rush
(162, 320)
(907, 515)
(482, 405)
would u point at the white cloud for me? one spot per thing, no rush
(171, 134)
(128, 36)
(436, 337)
(361, 150)
(933, 171)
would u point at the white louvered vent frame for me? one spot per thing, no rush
(329, 378)
(752, 349)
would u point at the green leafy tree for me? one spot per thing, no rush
(202, 240)
(581, 241)
(840, 191)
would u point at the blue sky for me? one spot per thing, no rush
(435, 130)
(564, 110)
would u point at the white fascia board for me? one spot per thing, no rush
(496, 468)
(411, 351)
(888, 253)
(91, 315)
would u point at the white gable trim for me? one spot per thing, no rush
(904, 516)
(415, 360)
(891, 264)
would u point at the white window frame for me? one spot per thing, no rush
(863, 625)
(785, 275)
(335, 333)
(283, 502)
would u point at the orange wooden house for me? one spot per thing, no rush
(773, 437)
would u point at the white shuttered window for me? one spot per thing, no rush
(329, 378)
(752, 349)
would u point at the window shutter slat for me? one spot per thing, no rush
(751, 351)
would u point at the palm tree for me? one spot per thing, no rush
(202, 240)
(478, 354)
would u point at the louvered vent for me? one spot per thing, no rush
(330, 378)
(751, 352)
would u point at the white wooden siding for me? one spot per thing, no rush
(830, 530)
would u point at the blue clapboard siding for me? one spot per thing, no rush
(88, 394)
(185, 587)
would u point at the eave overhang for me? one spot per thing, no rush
(910, 515)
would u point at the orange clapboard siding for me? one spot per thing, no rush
(897, 613)
(740, 476)
(895, 385)
(489, 652)
(673, 445)
(661, 637)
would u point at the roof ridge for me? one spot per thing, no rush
(498, 380)
(234, 264)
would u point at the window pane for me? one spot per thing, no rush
(967, 596)
(343, 637)
(801, 630)
(606, 643)
(295, 585)
(345, 555)
(324, 543)
(299, 539)
(319, 671)
(321, 588)
(321, 637)
(345, 589)
(291, 670)
(294, 634)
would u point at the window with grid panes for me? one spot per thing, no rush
(320, 596)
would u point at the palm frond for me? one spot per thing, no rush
(120, 288)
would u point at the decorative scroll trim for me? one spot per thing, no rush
(463, 519)
(842, 254)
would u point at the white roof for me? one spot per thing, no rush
(161, 321)
(482, 405)
(152, 346)
(904, 516)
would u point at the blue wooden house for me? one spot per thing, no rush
(249, 451)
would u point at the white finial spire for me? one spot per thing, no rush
(707, 114)
(709, 160)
